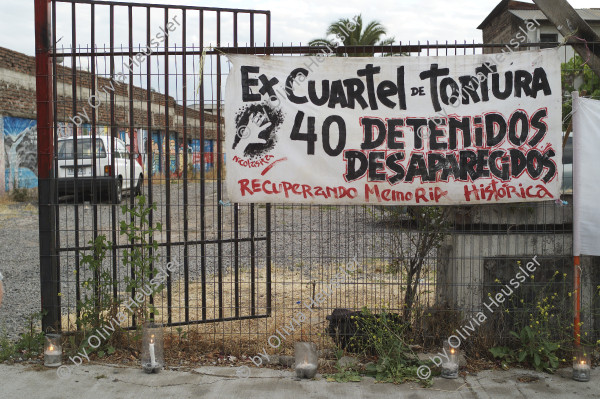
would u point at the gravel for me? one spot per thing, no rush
(303, 237)
(19, 254)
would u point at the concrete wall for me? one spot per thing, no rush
(461, 272)
(470, 261)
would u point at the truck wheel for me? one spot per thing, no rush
(139, 188)
(118, 192)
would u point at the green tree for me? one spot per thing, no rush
(577, 72)
(412, 249)
(352, 32)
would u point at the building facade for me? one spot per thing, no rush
(18, 126)
(515, 22)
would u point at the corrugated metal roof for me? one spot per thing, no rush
(587, 14)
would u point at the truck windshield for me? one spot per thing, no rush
(84, 149)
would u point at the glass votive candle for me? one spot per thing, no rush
(450, 365)
(152, 348)
(306, 358)
(52, 350)
(581, 364)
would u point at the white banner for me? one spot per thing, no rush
(586, 163)
(394, 130)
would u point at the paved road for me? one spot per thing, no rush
(103, 382)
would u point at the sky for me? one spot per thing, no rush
(300, 21)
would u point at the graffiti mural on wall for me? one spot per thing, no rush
(197, 154)
(173, 166)
(209, 148)
(158, 149)
(66, 130)
(176, 154)
(138, 144)
(20, 152)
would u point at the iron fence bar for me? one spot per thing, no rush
(94, 124)
(168, 169)
(93, 135)
(223, 319)
(282, 50)
(202, 171)
(163, 6)
(149, 152)
(75, 164)
(55, 128)
(192, 322)
(253, 262)
(268, 207)
(54, 195)
(252, 232)
(185, 174)
(113, 210)
(219, 173)
(236, 213)
(131, 146)
(252, 30)
(177, 243)
(252, 242)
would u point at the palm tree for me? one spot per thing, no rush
(344, 32)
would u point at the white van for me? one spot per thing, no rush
(111, 179)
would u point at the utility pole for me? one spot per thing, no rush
(571, 25)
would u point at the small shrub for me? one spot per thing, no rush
(19, 195)
(533, 349)
(344, 373)
(350, 329)
(384, 334)
(538, 332)
(139, 231)
(29, 345)
(98, 306)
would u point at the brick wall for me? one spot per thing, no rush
(18, 98)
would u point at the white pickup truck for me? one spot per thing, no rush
(111, 179)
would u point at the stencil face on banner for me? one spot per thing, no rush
(394, 130)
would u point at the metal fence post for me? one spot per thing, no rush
(49, 276)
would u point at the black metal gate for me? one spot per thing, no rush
(147, 77)
(234, 259)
